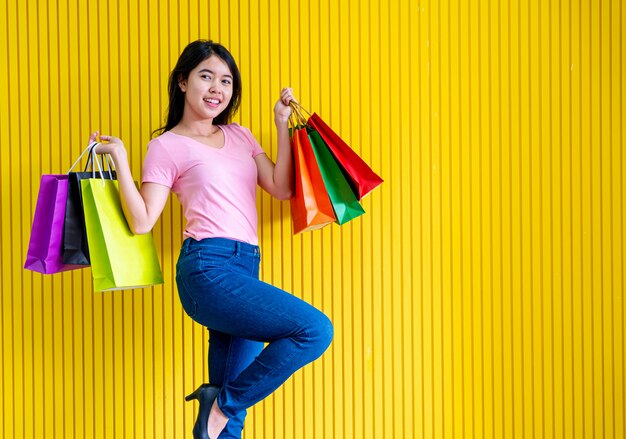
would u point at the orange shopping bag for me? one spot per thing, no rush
(310, 206)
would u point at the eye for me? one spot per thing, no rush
(226, 81)
(205, 76)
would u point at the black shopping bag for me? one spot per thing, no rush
(75, 246)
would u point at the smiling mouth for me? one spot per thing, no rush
(212, 101)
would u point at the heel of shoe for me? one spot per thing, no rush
(196, 393)
(205, 394)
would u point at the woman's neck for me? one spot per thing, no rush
(204, 128)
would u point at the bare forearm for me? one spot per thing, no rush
(133, 204)
(283, 171)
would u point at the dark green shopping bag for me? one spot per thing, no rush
(342, 197)
(119, 258)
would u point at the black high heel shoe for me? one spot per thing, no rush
(206, 395)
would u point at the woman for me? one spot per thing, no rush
(213, 167)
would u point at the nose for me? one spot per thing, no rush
(215, 87)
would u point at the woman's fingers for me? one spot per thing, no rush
(106, 144)
(286, 95)
(103, 137)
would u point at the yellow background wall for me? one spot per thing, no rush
(482, 295)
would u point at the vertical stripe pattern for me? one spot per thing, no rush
(481, 295)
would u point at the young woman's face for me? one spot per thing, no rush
(208, 89)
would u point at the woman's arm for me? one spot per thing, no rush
(142, 207)
(277, 179)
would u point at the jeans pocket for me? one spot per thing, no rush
(216, 257)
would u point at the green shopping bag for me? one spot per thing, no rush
(119, 259)
(342, 198)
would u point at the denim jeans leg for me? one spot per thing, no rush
(228, 356)
(218, 290)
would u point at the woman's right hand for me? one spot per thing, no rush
(107, 144)
(141, 208)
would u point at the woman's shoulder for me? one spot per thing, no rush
(239, 132)
(167, 146)
(235, 128)
(166, 141)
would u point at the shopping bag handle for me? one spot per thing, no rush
(91, 145)
(101, 165)
(95, 159)
(90, 159)
(298, 108)
(110, 163)
(296, 118)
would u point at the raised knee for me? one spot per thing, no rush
(327, 331)
(320, 334)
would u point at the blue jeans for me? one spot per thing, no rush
(219, 288)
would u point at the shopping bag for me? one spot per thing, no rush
(361, 177)
(344, 201)
(310, 206)
(119, 258)
(45, 245)
(75, 245)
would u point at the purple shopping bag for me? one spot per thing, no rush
(46, 238)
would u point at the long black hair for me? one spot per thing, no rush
(191, 56)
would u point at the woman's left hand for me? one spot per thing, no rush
(282, 110)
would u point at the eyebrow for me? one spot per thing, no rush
(212, 72)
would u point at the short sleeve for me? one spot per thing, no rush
(256, 148)
(159, 166)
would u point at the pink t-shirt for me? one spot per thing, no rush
(216, 186)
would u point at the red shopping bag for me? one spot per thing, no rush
(310, 206)
(360, 176)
